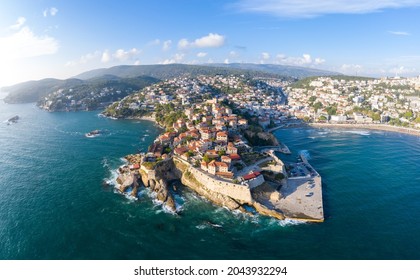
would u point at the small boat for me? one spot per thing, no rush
(93, 133)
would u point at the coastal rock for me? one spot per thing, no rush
(170, 203)
(125, 181)
(144, 179)
(120, 179)
(162, 194)
(156, 180)
(268, 212)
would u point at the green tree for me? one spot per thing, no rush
(318, 106)
(206, 159)
(408, 114)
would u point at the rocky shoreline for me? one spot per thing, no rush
(133, 176)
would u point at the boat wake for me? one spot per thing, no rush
(358, 132)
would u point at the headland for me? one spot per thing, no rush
(238, 176)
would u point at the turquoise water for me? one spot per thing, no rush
(53, 204)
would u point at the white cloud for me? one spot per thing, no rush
(233, 54)
(352, 69)
(213, 40)
(318, 61)
(167, 45)
(265, 55)
(106, 57)
(155, 42)
(24, 44)
(85, 58)
(183, 44)
(123, 55)
(177, 58)
(53, 11)
(137, 62)
(19, 23)
(226, 61)
(210, 41)
(310, 8)
(304, 60)
(399, 33)
(201, 54)
(402, 70)
(50, 11)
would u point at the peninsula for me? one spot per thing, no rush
(218, 148)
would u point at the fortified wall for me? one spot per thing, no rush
(219, 191)
(238, 192)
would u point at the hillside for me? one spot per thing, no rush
(35, 91)
(170, 71)
(305, 83)
(283, 70)
(94, 93)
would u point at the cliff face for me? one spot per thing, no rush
(157, 180)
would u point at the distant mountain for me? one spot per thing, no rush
(170, 71)
(137, 76)
(283, 70)
(34, 91)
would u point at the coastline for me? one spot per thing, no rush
(381, 127)
(150, 119)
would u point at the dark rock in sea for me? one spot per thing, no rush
(170, 203)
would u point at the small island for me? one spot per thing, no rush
(216, 148)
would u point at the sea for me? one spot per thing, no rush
(55, 202)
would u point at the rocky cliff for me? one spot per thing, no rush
(221, 193)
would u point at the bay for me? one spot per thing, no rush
(53, 204)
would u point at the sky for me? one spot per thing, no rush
(60, 39)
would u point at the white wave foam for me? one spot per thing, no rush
(359, 132)
(290, 222)
(130, 197)
(202, 226)
(105, 163)
(112, 179)
(323, 132)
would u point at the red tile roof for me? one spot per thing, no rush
(251, 175)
